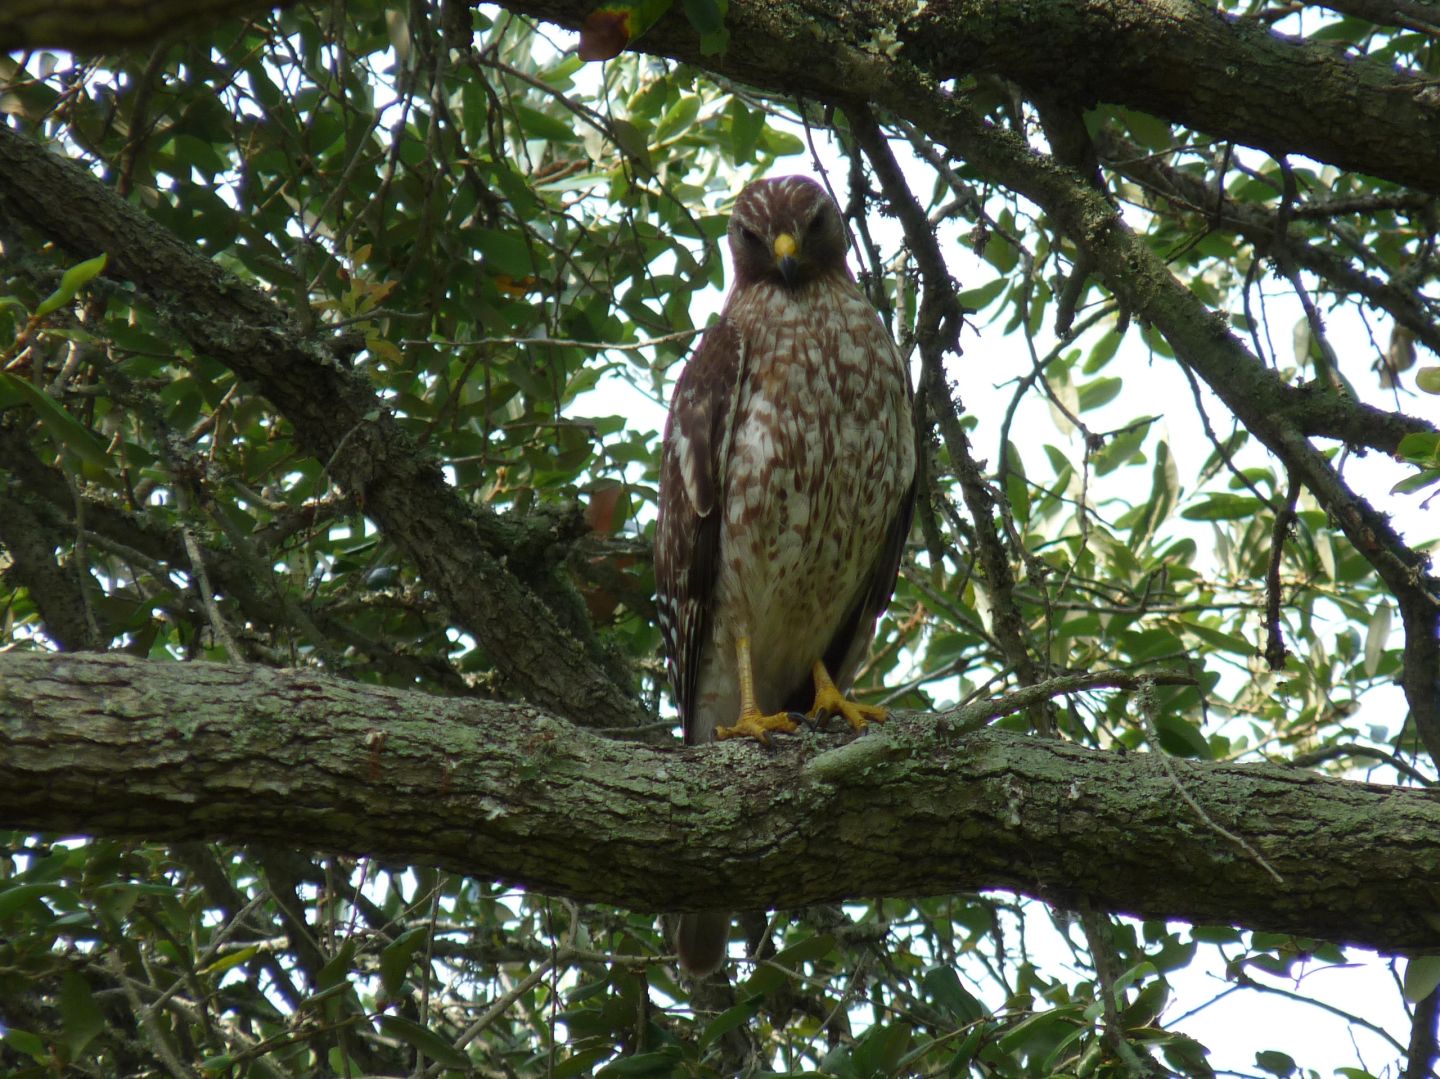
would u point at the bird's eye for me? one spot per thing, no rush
(751, 237)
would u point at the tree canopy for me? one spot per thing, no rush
(334, 343)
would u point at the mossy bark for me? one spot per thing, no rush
(110, 745)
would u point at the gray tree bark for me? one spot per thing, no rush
(1179, 59)
(110, 745)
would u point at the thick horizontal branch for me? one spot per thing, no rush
(1185, 62)
(457, 547)
(110, 745)
(88, 26)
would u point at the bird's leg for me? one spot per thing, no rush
(830, 701)
(752, 723)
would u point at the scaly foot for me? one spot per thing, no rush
(752, 724)
(829, 701)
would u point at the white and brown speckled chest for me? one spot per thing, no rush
(820, 455)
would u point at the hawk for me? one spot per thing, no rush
(787, 486)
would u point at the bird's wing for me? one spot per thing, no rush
(692, 479)
(847, 648)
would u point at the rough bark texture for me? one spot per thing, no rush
(106, 25)
(117, 746)
(1180, 59)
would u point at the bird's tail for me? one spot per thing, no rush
(700, 938)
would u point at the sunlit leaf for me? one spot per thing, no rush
(1422, 975)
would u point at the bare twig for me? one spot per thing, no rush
(1148, 710)
(1284, 520)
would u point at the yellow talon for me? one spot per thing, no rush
(829, 701)
(752, 724)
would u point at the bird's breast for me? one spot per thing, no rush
(820, 455)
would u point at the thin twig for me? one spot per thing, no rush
(557, 342)
(1148, 711)
(1285, 519)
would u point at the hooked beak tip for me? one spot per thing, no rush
(789, 269)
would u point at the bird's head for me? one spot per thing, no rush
(786, 230)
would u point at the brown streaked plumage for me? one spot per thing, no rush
(786, 490)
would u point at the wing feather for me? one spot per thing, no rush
(847, 648)
(692, 477)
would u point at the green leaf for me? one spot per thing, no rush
(80, 1017)
(778, 143)
(581, 1063)
(234, 959)
(336, 972)
(1164, 490)
(943, 986)
(1040, 1032)
(1103, 352)
(633, 141)
(1149, 131)
(880, 1050)
(1377, 635)
(1421, 447)
(1422, 975)
(22, 1041)
(535, 124)
(71, 282)
(770, 976)
(662, 1062)
(1417, 482)
(424, 1040)
(1428, 379)
(395, 959)
(807, 950)
(1275, 1062)
(678, 117)
(18, 896)
(1223, 506)
(732, 1017)
(62, 426)
(1181, 738)
(1100, 391)
(1187, 1056)
(745, 127)
(980, 297)
(706, 16)
(1233, 643)
(1215, 934)
(505, 252)
(708, 19)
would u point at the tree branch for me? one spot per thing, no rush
(1355, 422)
(1232, 78)
(110, 745)
(86, 26)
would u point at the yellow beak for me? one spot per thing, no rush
(785, 248)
